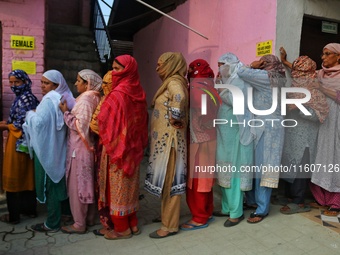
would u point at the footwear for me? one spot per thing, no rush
(98, 232)
(40, 227)
(192, 226)
(256, 218)
(292, 208)
(157, 236)
(113, 235)
(71, 230)
(229, 223)
(5, 218)
(333, 212)
(220, 214)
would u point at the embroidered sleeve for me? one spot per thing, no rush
(177, 100)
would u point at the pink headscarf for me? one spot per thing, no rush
(303, 74)
(330, 76)
(275, 69)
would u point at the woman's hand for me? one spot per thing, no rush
(283, 54)
(283, 57)
(63, 106)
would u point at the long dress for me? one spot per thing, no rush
(234, 150)
(269, 140)
(80, 157)
(122, 122)
(326, 181)
(163, 138)
(299, 149)
(18, 173)
(45, 129)
(325, 184)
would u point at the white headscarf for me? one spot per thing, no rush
(63, 89)
(228, 71)
(230, 66)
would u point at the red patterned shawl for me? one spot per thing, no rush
(123, 118)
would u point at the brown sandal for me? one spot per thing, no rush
(70, 229)
(331, 212)
(256, 218)
(113, 235)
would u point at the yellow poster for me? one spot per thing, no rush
(22, 42)
(264, 48)
(28, 66)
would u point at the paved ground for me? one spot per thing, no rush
(277, 234)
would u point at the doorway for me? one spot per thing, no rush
(313, 39)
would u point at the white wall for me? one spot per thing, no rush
(289, 21)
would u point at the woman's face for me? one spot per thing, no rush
(13, 81)
(80, 84)
(117, 67)
(47, 86)
(329, 58)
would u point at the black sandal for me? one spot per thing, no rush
(254, 215)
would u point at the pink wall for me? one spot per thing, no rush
(234, 26)
(21, 18)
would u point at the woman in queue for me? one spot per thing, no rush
(123, 131)
(46, 136)
(80, 151)
(18, 171)
(166, 173)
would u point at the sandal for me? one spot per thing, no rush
(71, 230)
(113, 235)
(5, 218)
(229, 223)
(292, 208)
(333, 212)
(40, 227)
(157, 236)
(192, 225)
(256, 218)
